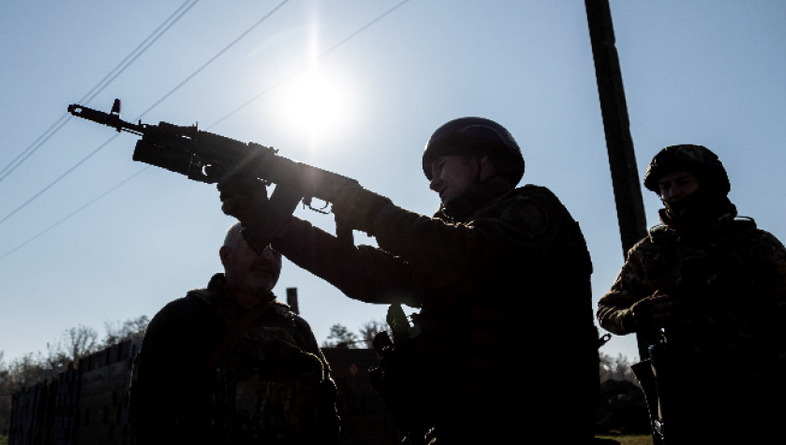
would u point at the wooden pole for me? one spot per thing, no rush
(622, 159)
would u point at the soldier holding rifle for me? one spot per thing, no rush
(507, 347)
(707, 291)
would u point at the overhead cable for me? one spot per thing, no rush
(112, 75)
(267, 90)
(222, 119)
(89, 155)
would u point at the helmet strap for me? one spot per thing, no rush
(479, 168)
(495, 174)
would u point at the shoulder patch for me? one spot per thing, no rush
(529, 214)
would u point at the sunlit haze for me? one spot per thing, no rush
(89, 237)
(313, 104)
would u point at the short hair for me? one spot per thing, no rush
(233, 235)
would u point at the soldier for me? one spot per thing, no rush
(507, 347)
(229, 364)
(708, 292)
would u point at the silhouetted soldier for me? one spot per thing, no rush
(506, 346)
(708, 291)
(229, 364)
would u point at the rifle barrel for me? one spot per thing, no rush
(111, 120)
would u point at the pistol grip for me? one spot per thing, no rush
(344, 235)
(268, 224)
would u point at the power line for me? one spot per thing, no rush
(212, 59)
(22, 157)
(323, 54)
(368, 25)
(59, 178)
(100, 86)
(147, 43)
(158, 102)
(70, 215)
(50, 185)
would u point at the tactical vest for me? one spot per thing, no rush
(260, 386)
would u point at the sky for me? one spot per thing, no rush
(89, 237)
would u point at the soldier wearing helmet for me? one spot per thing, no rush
(481, 146)
(693, 164)
(506, 343)
(708, 290)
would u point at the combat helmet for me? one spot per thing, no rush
(476, 136)
(695, 159)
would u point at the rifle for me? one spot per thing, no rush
(697, 283)
(211, 158)
(399, 378)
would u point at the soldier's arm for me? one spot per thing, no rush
(363, 273)
(627, 302)
(520, 226)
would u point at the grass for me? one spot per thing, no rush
(623, 440)
(631, 440)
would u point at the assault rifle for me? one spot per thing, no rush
(698, 285)
(399, 378)
(211, 158)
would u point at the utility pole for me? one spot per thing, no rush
(622, 159)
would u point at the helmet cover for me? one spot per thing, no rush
(475, 136)
(695, 159)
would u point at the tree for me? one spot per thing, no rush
(76, 343)
(6, 390)
(615, 368)
(133, 329)
(340, 337)
(370, 330)
(61, 355)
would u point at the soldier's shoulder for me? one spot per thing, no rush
(763, 243)
(193, 301)
(659, 239)
(658, 235)
(284, 312)
(534, 191)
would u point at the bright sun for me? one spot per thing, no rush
(313, 104)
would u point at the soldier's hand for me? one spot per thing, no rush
(356, 208)
(654, 311)
(242, 196)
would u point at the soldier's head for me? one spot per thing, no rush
(469, 151)
(697, 160)
(688, 178)
(247, 273)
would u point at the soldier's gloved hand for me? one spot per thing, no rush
(242, 196)
(356, 208)
(653, 312)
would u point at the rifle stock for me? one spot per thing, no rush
(208, 157)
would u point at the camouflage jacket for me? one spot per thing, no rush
(510, 281)
(729, 286)
(184, 391)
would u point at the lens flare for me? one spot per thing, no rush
(313, 104)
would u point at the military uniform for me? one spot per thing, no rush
(508, 345)
(199, 379)
(718, 363)
(729, 336)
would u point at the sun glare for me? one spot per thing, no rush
(313, 104)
